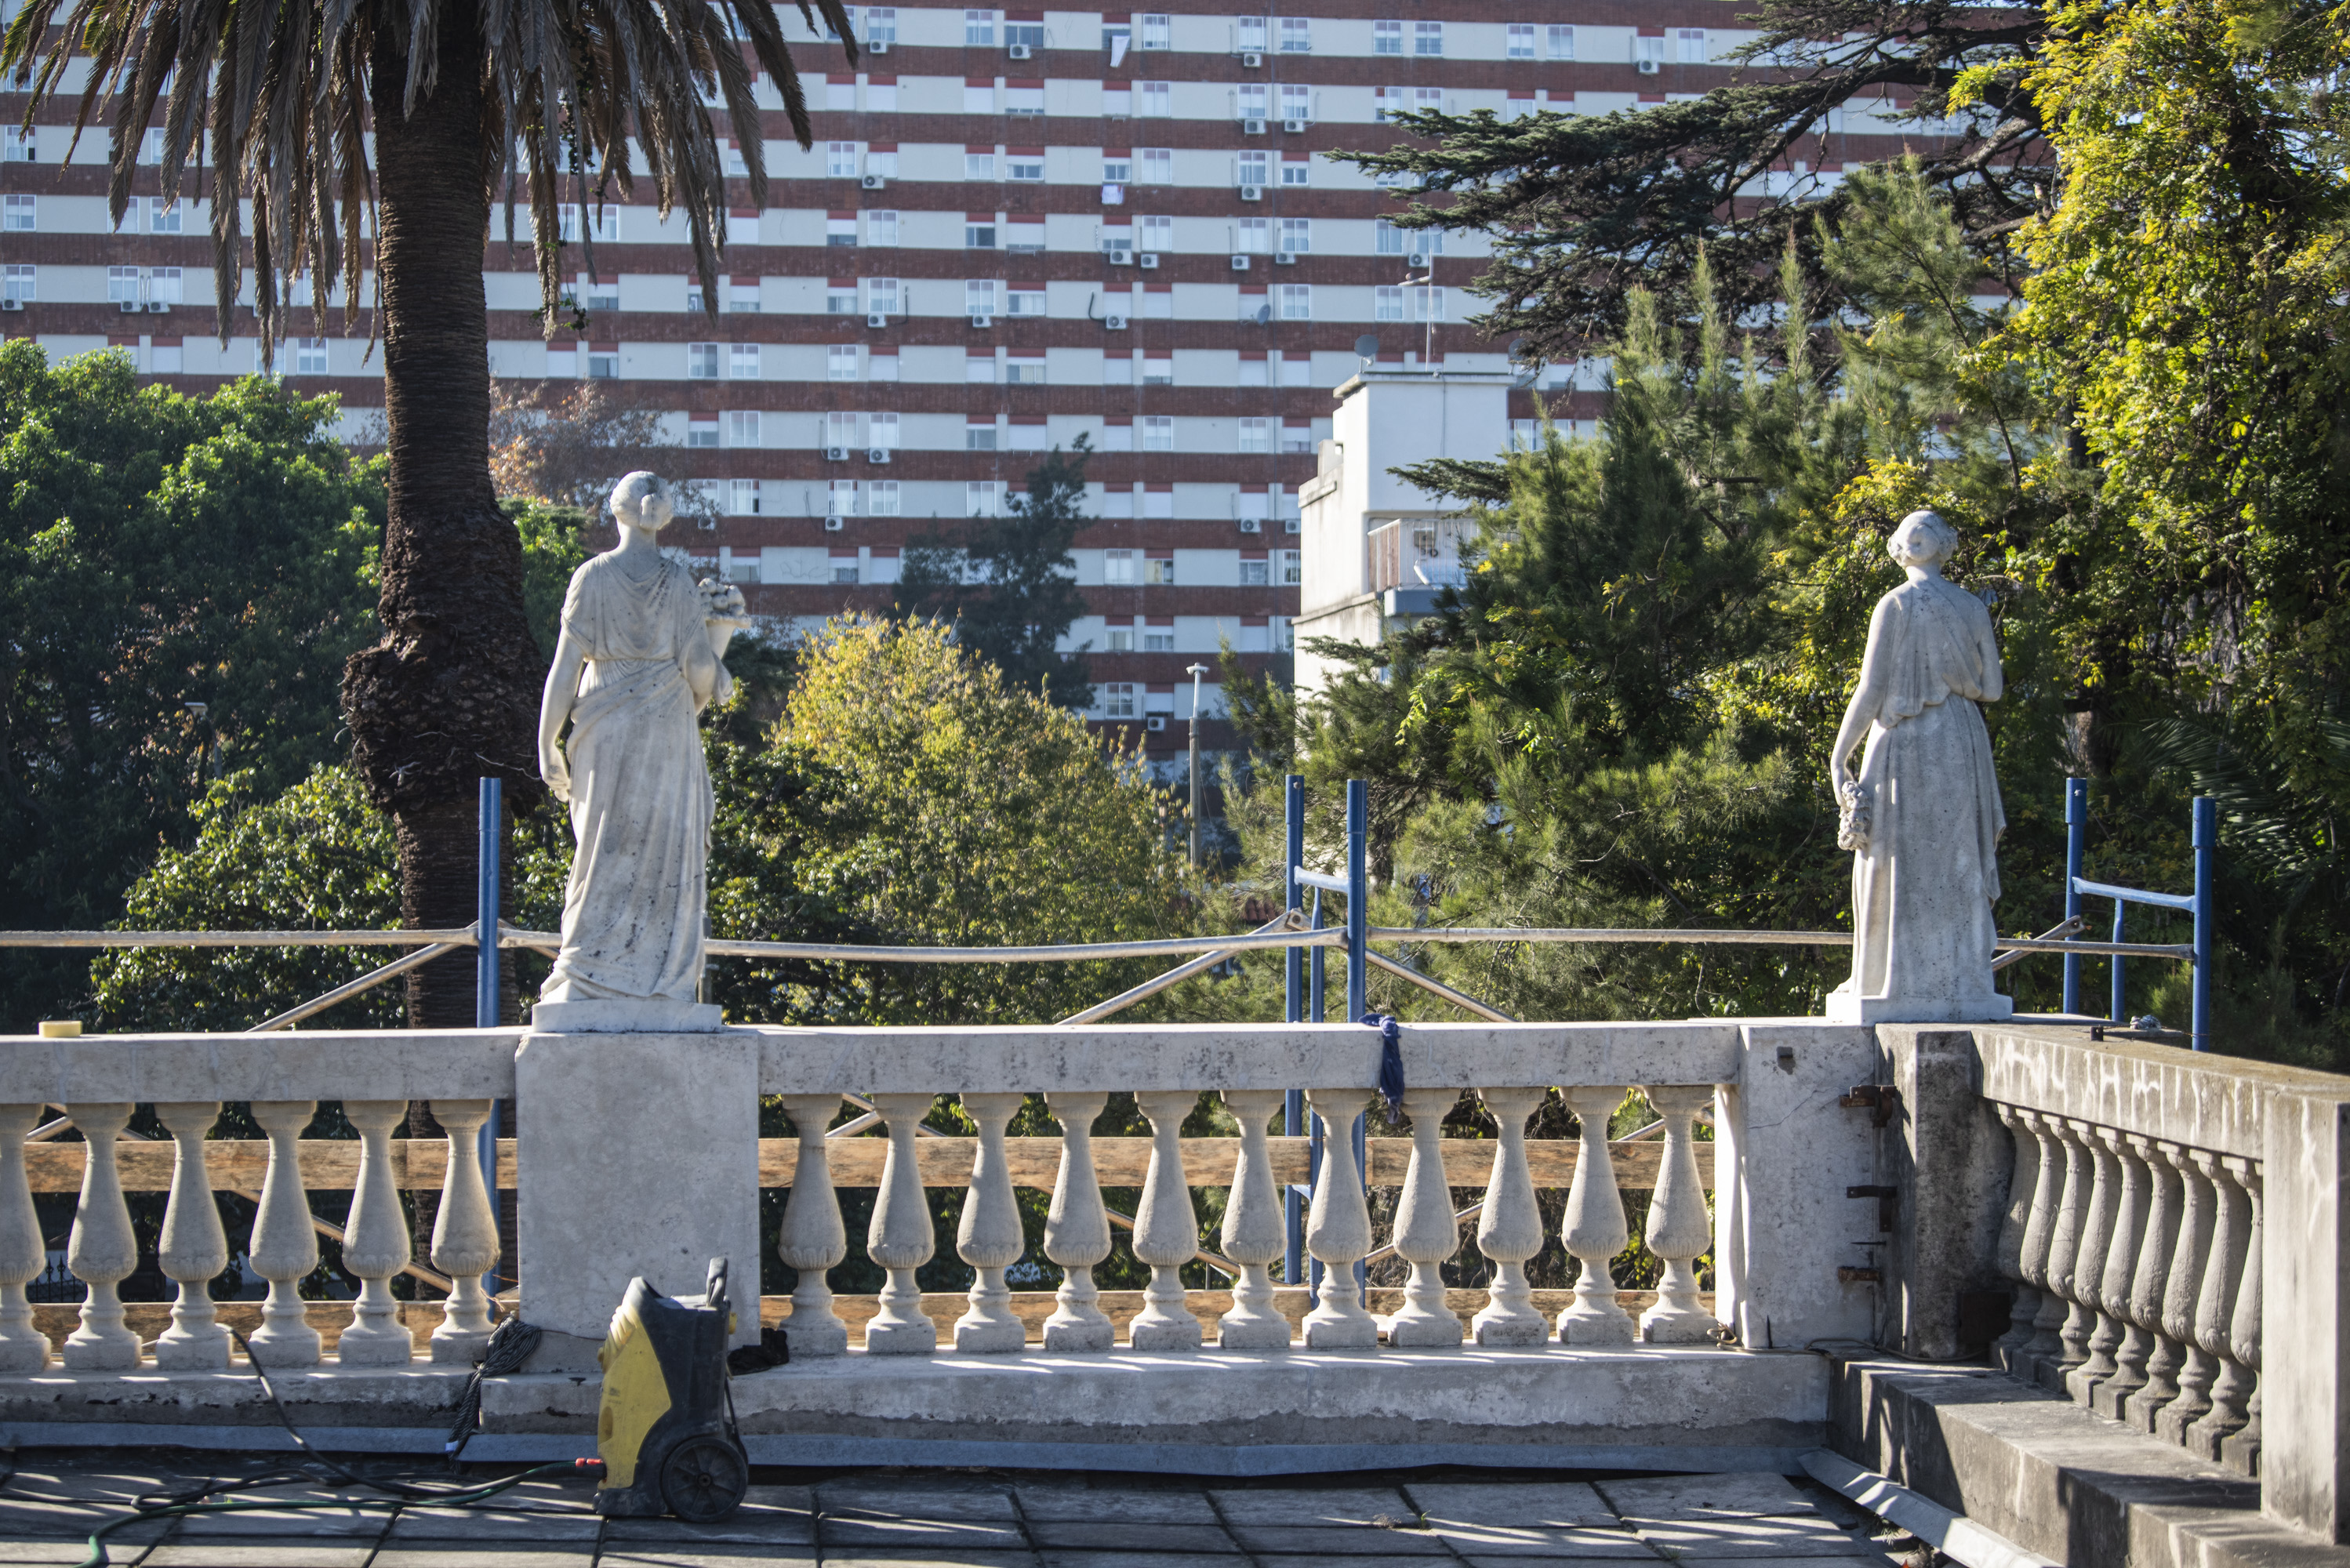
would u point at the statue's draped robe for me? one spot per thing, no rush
(1923, 888)
(640, 798)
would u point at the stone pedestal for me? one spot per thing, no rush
(636, 1154)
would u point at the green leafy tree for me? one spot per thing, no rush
(180, 580)
(1008, 585)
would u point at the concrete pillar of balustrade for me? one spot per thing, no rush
(1785, 1155)
(2305, 1267)
(1949, 1161)
(636, 1154)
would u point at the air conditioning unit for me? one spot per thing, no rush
(876, 319)
(1240, 264)
(1251, 60)
(836, 454)
(131, 307)
(1294, 127)
(1251, 526)
(1650, 67)
(1155, 723)
(1252, 193)
(1018, 51)
(835, 525)
(1121, 256)
(983, 321)
(11, 303)
(1286, 258)
(1251, 127)
(877, 46)
(159, 308)
(875, 181)
(1291, 525)
(1115, 323)
(876, 454)
(1148, 260)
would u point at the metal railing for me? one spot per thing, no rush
(2205, 838)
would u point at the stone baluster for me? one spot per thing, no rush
(2040, 1247)
(1338, 1229)
(2181, 1289)
(1510, 1228)
(1077, 1230)
(990, 1238)
(1165, 1228)
(284, 1246)
(2107, 1248)
(2216, 1313)
(464, 1235)
(1679, 1228)
(899, 1239)
(192, 1249)
(2206, 1323)
(1426, 1233)
(2073, 1220)
(2142, 1305)
(2024, 1176)
(2242, 1450)
(22, 1252)
(811, 1238)
(376, 1244)
(1594, 1229)
(1252, 1233)
(102, 1251)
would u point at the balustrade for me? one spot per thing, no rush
(1076, 1228)
(22, 1347)
(1594, 1230)
(812, 1238)
(1253, 1236)
(102, 1251)
(1509, 1227)
(193, 1247)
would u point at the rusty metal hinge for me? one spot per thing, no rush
(1882, 1101)
(1852, 1276)
(1888, 1202)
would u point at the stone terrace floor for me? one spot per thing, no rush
(973, 1519)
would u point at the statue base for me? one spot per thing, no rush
(1844, 1007)
(626, 1015)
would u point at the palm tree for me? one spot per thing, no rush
(465, 100)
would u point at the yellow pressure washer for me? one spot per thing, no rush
(666, 1431)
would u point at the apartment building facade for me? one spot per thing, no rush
(1016, 228)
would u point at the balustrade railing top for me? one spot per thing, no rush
(2215, 1102)
(340, 1065)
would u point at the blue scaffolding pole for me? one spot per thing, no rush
(486, 957)
(2197, 905)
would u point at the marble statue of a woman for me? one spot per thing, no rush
(1922, 812)
(639, 658)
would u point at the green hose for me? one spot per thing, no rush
(99, 1559)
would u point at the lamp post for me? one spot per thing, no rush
(1195, 672)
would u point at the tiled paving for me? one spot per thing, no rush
(929, 1519)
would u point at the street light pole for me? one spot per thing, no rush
(1195, 672)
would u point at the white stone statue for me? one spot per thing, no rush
(639, 658)
(1923, 814)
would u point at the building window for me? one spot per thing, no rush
(702, 361)
(1025, 166)
(840, 297)
(604, 364)
(881, 498)
(840, 498)
(1389, 238)
(1295, 172)
(843, 569)
(1252, 236)
(17, 145)
(1158, 99)
(1121, 638)
(1027, 301)
(1030, 35)
(1154, 233)
(1562, 41)
(1257, 435)
(1025, 371)
(20, 214)
(743, 428)
(1692, 43)
(1296, 236)
(979, 234)
(1255, 168)
(1117, 699)
(1296, 102)
(1159, 570)
(881, 228)
(1155, 166)
(309, 355)
(1028, 101)
(1427, 303)
(1387, 38)
(701, 432)
(742, 299)
(1159, 370)
(1650, 48)
(742, 569)
(743, 361)
(1253, 99)
(881, 24)
(1157, 639)
(163, 217)
(743, 498)
(979, 438)
(1158, 432)
(1296, 302)
(978, 29)
(1285, 567)
(840, 362)
(1428, 38)
(1255, 573)
(881, 296)
(1296, 36)
(1158, 32)
(840, 160)
(122, 285)
(1120, 566)
(979, 297)
(1520, 44)
(20, 283)
(1387, 303)
(1249, 34)
(980, 497)
(1296, 438)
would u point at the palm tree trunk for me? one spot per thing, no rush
(450, 694)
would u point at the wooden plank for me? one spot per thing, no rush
(331, 1165)
(148, 1319)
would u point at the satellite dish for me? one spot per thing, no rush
(1366, 347)
(1264, 313)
